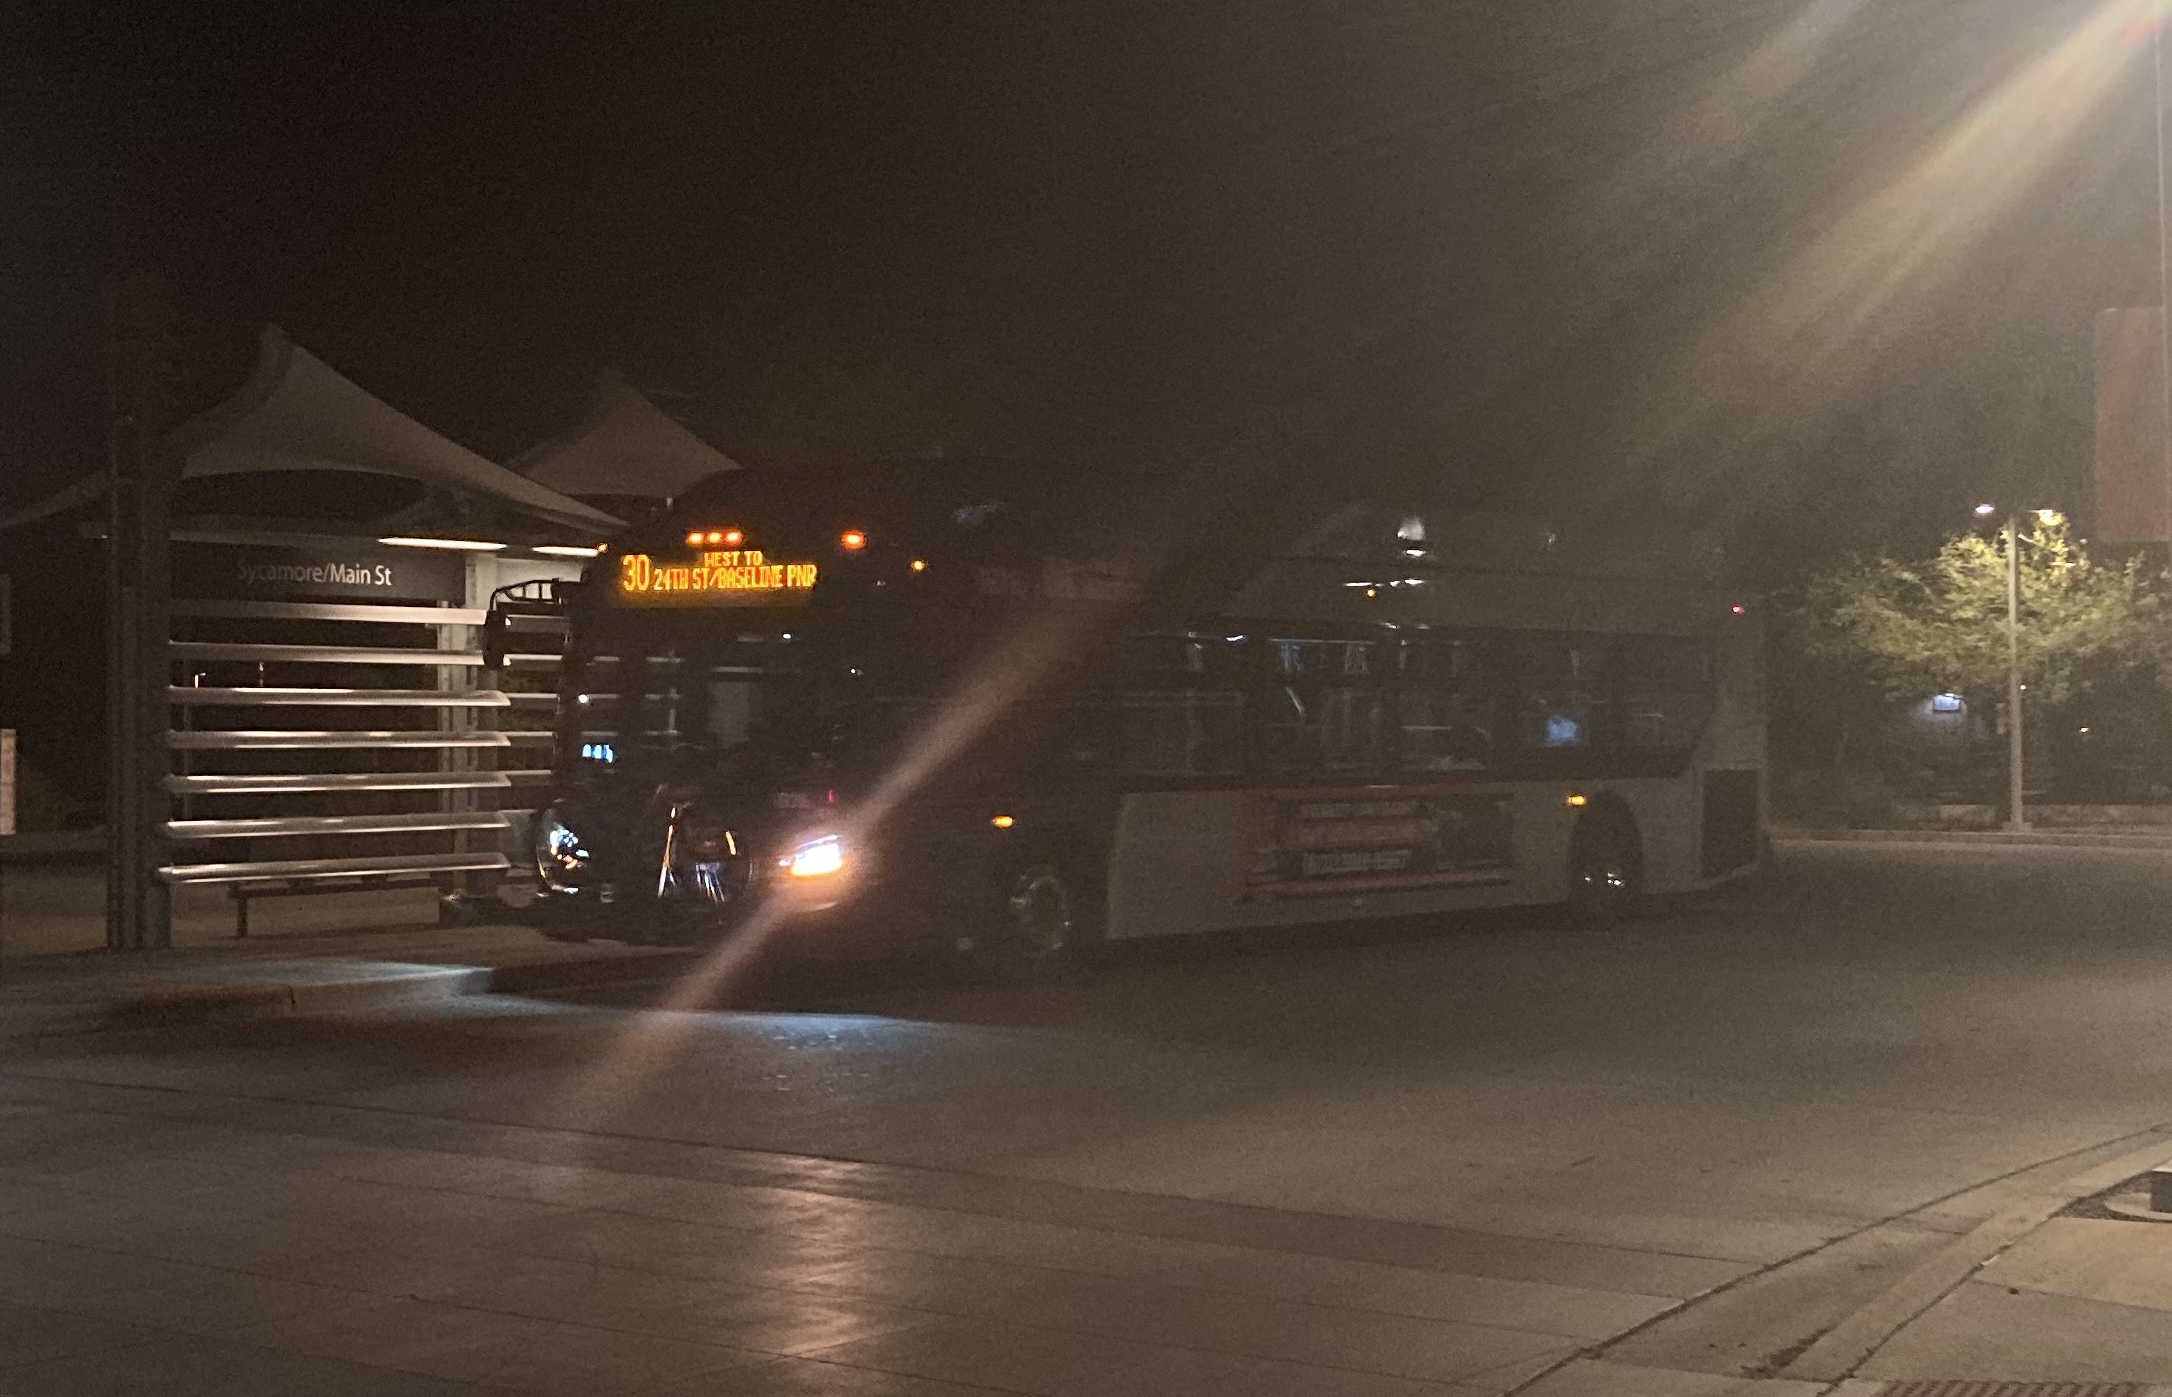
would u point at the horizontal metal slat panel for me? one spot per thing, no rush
(294, 826)
(197, 696)
(274, 740)
(331, 611)
(288, 870)
(340, 781)
(321, 654)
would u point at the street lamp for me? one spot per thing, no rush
(2016, 816)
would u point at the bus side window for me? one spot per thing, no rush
(1320, 713)
(1447, 705)
(1666, 695)
(1561, 695)
(1180, 713)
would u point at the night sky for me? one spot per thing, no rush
(1816, 272)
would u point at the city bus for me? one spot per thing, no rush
(943, 715)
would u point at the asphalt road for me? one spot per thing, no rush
(1697, 1139)
(1741, 1078)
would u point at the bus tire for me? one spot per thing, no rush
(1606, 867)
(1045, 922)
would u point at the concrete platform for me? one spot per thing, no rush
(331, 973)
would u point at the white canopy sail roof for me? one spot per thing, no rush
(296, 413)
(627, 447)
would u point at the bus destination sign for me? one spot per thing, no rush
(718, 577)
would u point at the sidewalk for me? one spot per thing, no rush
(2055, 1294)
(306, 974)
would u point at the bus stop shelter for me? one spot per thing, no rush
(301, 705)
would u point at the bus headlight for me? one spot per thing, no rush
(560, 856)
(817, 858)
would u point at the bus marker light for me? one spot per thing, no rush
(733, 538)
(852, 540)
(1003, 821)
(716, 536)
(693, 540)
(1576, 800)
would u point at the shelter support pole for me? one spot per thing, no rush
(139, 375)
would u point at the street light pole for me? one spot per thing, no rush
(2016, 817)
(2164, 266)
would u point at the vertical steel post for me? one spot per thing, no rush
(2016, 818)
(138, 369)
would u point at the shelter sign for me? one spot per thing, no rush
(354, 571)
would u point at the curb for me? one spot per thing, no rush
(2062, 839)
(1849, 1344)
(170, 1004)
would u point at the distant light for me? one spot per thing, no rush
(453, 545)
(2084, 729)
(1372, 591)
(733, 538)
(1946, 703)
(1985, 509)
(852, 540)
(568, 550)
(1411, 530)
(1738, 608)
(2050, 516)
(920, 565)
(693, 540)
(1006, 821)
(1576, 800)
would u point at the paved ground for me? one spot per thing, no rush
(1713, 1143)
(58, 906)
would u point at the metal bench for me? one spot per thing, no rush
(297, 877)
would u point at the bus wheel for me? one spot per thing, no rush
(1606, 872)
(1039, 924)
(1041, 915)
